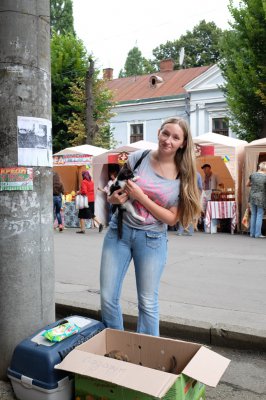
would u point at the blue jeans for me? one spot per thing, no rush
(189, 231)
(57, 208)
(256, 220)
(148, 251)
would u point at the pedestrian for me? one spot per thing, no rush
(87, 189)
(165, 192)
(181, 231)
(257, 199)
(106, 190)
(58, 191)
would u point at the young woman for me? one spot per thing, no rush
(165, 192)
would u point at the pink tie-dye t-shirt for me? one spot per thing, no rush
(162, 191)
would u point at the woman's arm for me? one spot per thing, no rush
(83, 189)
(168, 216)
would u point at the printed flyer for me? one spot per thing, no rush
(17, 178)
(34, 142)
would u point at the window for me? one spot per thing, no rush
(155, 80)
(136, 132)
(220, 125)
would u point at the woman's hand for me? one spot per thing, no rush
(118, 197)
(134, 191)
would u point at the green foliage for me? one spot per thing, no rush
(166, 51)
(102, 113)
(201, 46)
(243, 67)
(62, 17)
(69, 60)
(69, 64)
(136, 64)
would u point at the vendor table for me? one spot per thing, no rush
(220, 210)
(71, 216)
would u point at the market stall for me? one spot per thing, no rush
(255, 153)
(69, 163)
(103, 162)
(226, 157)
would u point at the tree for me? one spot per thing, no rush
(90, 123)
(201, 46)
(136, 64)
(61, 18)
(101, 113)
(69, 64)
(243, 67)
(166, 51)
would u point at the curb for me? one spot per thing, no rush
(230, 336)
(238, 337)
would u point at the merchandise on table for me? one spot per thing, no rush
(71, 216)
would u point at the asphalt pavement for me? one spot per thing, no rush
(212, 290)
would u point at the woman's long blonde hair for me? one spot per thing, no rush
(189, 199)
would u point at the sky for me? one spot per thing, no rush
(111, 28)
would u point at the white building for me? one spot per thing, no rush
(144, 102)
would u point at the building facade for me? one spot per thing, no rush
(144, 102)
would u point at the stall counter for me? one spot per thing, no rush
(71, 216)
(220, 210)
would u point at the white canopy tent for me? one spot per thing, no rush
(231, 152)
(82, 149)
(229, 149)
(71, 161)
(100, 172)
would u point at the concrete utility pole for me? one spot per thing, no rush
(26, 223)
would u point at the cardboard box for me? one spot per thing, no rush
(145, 376)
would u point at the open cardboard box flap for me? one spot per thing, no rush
(206, 367)
(196, 361)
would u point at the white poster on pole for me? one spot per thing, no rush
(34, 142)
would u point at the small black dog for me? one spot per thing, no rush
(124, 174)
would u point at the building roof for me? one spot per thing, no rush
(156, 85)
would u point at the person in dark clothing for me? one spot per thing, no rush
(58, 190)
